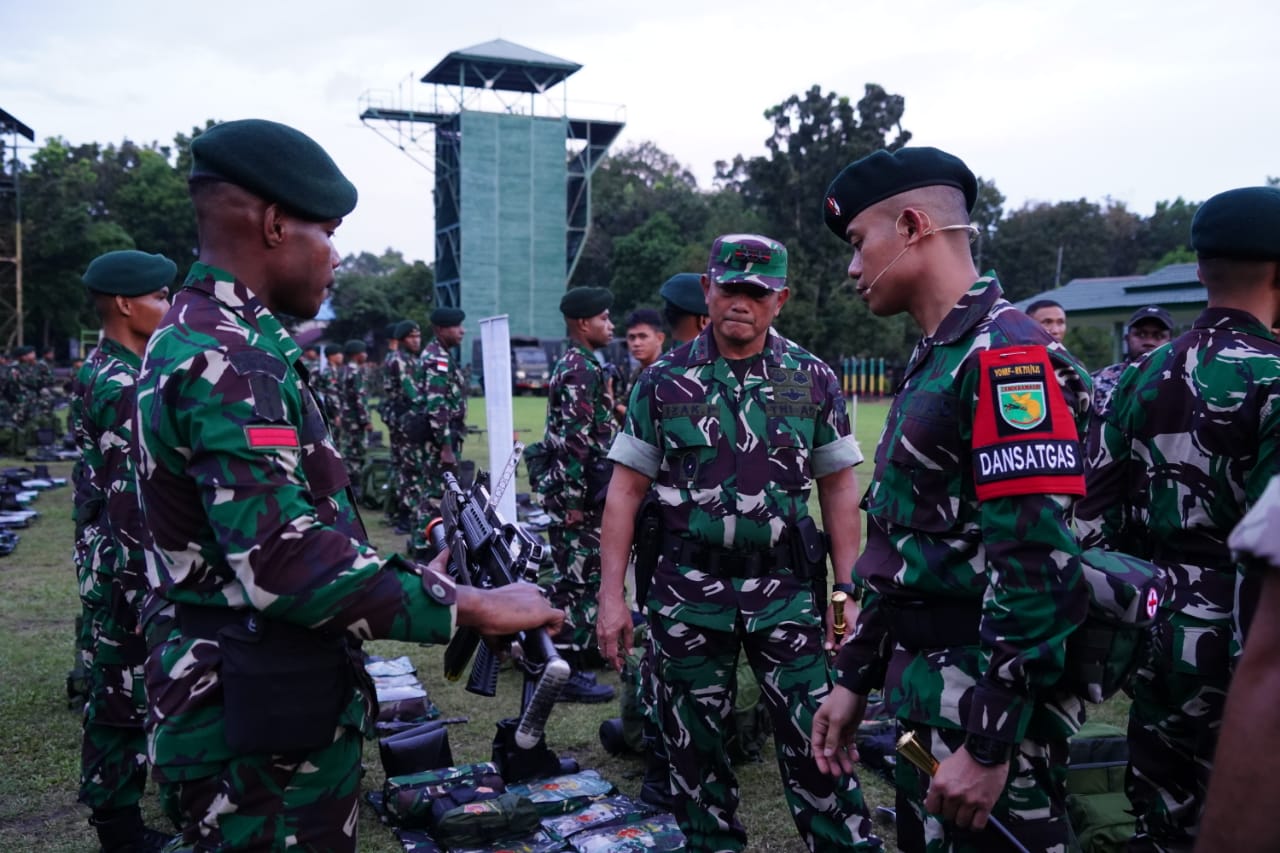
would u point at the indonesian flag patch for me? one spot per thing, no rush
(1024, 437)
(271, 437)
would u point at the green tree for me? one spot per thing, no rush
(371, 291)
(1165, 236)
(815, 135)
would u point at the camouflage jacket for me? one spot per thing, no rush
(354, 406)
(400, 384)
(444, 392)
(1104, 382)
(952, 524)
(733, 462)
(108, 551)
(327, 386)
(1190, 441)
(247, 506)
(580, 428)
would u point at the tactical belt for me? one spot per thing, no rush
(726, 562)
(933, 623)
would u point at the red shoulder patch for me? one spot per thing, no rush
(1024, 435)
(262, 437)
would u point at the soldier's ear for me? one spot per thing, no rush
(124, 305)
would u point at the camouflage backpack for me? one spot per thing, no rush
(1124, 606)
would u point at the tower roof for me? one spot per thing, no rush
(501, 65)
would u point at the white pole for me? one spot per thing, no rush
(495, 345)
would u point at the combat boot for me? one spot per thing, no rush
(582, 686)
(655, 789)
(122, 831)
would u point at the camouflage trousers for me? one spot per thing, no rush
(395, 440)
(273, 802)
(410, 476)
(695, 677)
(1033, 805)
(355, 452)
(1174, 720)
(432, 493)
(576, 588)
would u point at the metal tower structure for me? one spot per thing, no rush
(11, 311)
(512, 178)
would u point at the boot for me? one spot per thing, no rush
(655, 789)
(581, 686)
(122, 831)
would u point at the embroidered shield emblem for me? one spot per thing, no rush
(1022, 404)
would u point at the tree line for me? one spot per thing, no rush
(650, 220)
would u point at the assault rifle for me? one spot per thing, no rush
(488, 552)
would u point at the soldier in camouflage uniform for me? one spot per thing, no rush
(392, 507)
(130, 293)
(355, 410)
(11, 443)
(26, 390)
(1190, 441)
(1244, 786)
(402, 391)
(1147, 329)
(971, 573)
(732, 431)
(444, 399)
(684, 306)
(327, 385)
(265, 580)
(580, 428)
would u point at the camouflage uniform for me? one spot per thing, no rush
(11, 439)
(354, 443)
(248, 512)
(327, 386)
(733, 462)
(404, 397)
(580, 428)
(112, 578)
(444, 396)
(989, 572)
(1188, 445)
(1104, 382)
(391, 419)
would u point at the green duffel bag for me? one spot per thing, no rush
(486, 821)
(1124, 605)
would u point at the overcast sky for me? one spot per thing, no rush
(1133, 99)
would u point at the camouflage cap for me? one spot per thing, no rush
(748, 259)
(129, 272)
(684, 290)
(277, 163)
(355, 346)
(1242, 223)
(446, 316)
(884, 174)
(582, 302)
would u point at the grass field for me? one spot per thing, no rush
(39, 736)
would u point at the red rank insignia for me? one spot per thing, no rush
(263, 437)
(1024, 435)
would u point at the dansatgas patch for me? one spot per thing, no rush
(1024, 438)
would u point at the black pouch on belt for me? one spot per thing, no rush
(283, 686)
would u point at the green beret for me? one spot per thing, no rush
(19, 352)
(277, 163)
(354, 347)
(684, 290)
(405, 328)
(1242, 223)
(884, 174)
(583, 302)
(444, 316)
(129, 272)
(748, 259)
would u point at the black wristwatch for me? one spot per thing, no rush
(854, 592)
(988, 752)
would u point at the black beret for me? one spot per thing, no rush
(276, 162)
(19, 352)
(405, 328)
(1242, 223)
(684, 290)
(582, 302)
(129, 272)
(884, 174)
(444, 316)
(354, 347)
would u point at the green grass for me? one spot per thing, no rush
(40, 737)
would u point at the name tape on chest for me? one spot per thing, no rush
(1024, 435)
